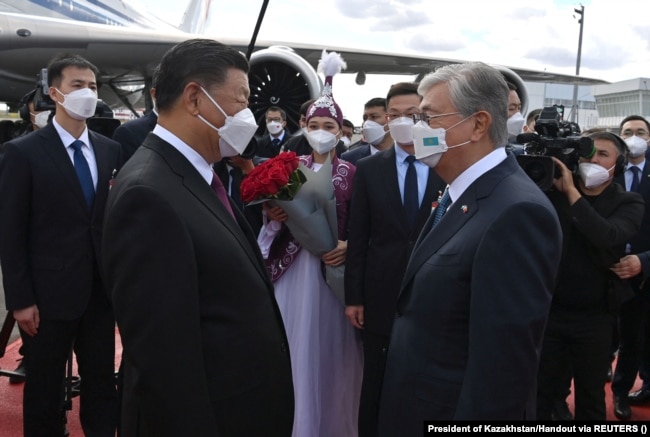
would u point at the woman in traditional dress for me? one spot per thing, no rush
(326, 351)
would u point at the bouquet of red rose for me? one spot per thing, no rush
(306, 196)
(276, 178)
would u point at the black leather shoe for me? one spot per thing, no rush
(561, 412)
(622, 408)
(18, 375)
(639, 397)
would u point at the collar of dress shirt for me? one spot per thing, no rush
(476, 170)
(67, 139)
(197, 161)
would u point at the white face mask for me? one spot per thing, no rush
(373, 132)
(430, 143)
(274, 127)
(593, 175)
(321, 141)
(346, 141)
(401, 129)
(79, 104)
(41, 118)
(637, 145)
(236, 132)
(516, 124)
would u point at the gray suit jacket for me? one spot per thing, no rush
(473, 307)
(205, 351)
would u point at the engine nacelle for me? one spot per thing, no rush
(280, 77)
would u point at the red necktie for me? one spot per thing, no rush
(219, 189)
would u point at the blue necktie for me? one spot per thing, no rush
(441, 208)
(635, 178)
(411, 199)
(83, 173)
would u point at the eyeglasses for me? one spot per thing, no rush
(638, 133)
(427, 118)
(394, 116)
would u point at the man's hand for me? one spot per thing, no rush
(28, 319)
(564, 183)
(628, 267)
(354, 313)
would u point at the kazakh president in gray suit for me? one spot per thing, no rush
(474, 301)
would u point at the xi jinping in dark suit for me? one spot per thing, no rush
(185, 271)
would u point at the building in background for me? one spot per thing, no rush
(598, 105)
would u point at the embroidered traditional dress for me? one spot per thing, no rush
(326, 351)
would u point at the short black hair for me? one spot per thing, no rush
(376, 101)
(618, 141)
(348, 123)
(305, 106)
(402, 89)
(205, 61)
(64, 60)
(282, 112)
(634, 117)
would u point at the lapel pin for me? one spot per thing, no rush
(464, 209)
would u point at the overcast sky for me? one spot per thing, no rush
(539, 35)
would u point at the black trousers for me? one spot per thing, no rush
(634, 345)
(93, 339)
(374, 364)
(578, 342)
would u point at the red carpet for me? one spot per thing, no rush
(11, 395)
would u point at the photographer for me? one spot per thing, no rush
(598, 218)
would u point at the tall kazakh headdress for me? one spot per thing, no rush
(325, 106)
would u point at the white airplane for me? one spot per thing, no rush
(126, 43)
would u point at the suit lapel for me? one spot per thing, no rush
(54, 148)
(197, 186)
(389, 179)
(102, 157)
(430, 240)
(459, 213)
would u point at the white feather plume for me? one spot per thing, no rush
(331, 63)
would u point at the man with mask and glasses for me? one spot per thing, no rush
(475, 296)
(598, 219)
(184, 269)
(384, 224)
(634, 323)
(374, 131)
(53, 187)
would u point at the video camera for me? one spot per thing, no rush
(553, 137)
(42, 100)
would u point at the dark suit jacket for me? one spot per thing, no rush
(183, 273)
(353, 155)
(49, 243)
(132, 133)
(640, 243)
(298, 144)
(472, 309)
(603, 224)
(380, 239)
(265, 147)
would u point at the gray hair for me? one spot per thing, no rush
(473, 87)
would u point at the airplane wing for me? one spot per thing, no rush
(127, 56)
